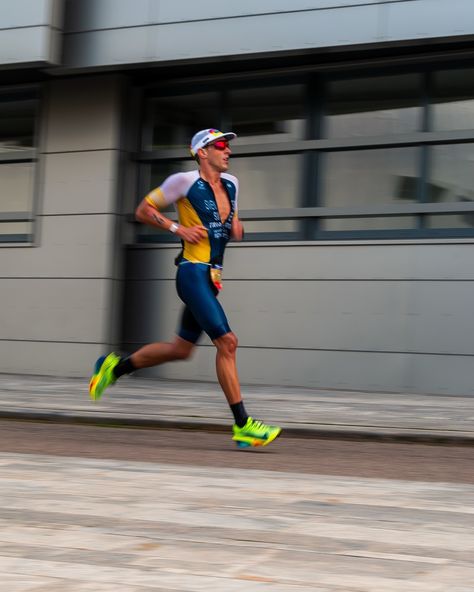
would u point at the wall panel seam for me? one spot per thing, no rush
(319, 280)
(59, 278)
(85, 151)
(36, 26)
(240, 16)
(69, 214)
(340, 350)
(6, 340)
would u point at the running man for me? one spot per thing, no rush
(206, 201)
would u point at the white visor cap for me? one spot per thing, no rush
(207, 136)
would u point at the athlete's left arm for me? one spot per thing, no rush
(237, 229)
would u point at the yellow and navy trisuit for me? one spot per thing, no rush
(196, 205)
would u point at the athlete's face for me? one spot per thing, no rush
(218, 154)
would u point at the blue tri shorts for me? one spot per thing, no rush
(202, 311)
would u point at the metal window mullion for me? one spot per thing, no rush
(16, 238)
(427, 105)
(405, 140)
(422, 188)
(40, 135)
(224, 110)
(309, 179)
(16, 217)
(422, 196)
(425, 150)
(308, 213)
(18, 157)
(146, 136)
(308, 192)
(143, 181)
(359, 211)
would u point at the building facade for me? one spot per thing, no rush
(355, 153)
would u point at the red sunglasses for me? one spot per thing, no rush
(220, 145)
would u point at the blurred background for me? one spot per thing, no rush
(355, 152)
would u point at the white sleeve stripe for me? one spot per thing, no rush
(177, 186)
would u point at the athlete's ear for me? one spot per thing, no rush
(202, 153)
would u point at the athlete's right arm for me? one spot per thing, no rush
(169, 192)
(151, 215)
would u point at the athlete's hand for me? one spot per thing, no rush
(191, 234)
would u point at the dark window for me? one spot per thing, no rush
(373, 106)
(451, 179)
(268, 183)
(453, 100)
(267, 115)
(173, 120)
(17, 165)
(360, 157)
(370, 177)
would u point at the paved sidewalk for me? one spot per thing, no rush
(85, 525)
(137, 401)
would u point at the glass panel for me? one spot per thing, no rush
(451, 221)
(373, 106)
(267, 182)
(16, 186)
(364, 177)
(17, 122)
(453, 100)
(386, 223)
(451, 180)
(267, 115)
(451, 175)
(174, 120)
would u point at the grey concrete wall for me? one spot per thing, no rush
(30, 32)
(381, 317)
(113, 32)
(59, 297)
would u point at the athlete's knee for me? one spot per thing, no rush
(227, 344)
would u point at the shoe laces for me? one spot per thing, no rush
(257, 424)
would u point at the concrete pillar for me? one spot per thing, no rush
(60, 296)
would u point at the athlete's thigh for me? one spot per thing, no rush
(199, 295)
(189, 329)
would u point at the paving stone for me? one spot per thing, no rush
(79, 525)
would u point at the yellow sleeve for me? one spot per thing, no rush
(156, 199)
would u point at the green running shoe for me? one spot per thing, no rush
(254, 433)
(103, 375)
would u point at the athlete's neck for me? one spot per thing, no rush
(211, 176)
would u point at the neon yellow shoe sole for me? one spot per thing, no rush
(103, 375)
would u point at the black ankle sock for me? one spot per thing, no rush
(125, 366)
(240, 415)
